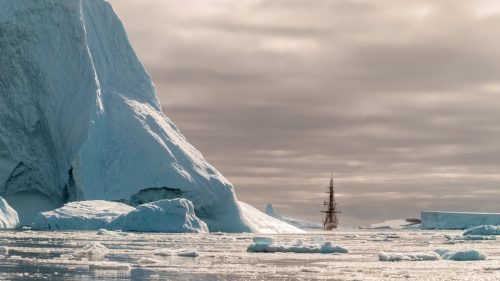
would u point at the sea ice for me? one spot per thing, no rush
(8, 216)
(262, 240)
(394, 257)
(461, 255)
(483, 230)
(93, 252)
(325, 248)
(4, 250)
(105, 265)
(187, 253)
(145, 261)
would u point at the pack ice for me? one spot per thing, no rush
(80, 119)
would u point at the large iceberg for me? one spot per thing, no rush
(8, 216)
(80, 119)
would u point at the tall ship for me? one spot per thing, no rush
(331, 220)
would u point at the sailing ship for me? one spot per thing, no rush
(331, 220)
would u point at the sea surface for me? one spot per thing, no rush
(34, 255)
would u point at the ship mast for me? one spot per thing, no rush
(331, 220)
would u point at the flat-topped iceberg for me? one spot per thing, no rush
(457, 220)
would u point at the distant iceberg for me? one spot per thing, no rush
(303, 224)
(457, 220)
(80, 119)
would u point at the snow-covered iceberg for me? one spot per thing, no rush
(457, 220)
(407, 224)
(80, 119)
(8, 216)
(293, 221)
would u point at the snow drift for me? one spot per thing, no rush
(80, 119)
(8, 216)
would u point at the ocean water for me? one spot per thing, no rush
(34, 255)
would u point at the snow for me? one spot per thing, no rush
(394, 257)
(8, 216)
(325, 248)
(82, 215)
(262, 223)
(93, 252)
(173, 216)
(81, 119)
(303, 224)
(457, 220)
(483, 230)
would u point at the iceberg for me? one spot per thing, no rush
(457, 220)
(262, 223)
(483, 230)
(84, 215)
(173, 216)
(8, 216)
(80, 119)
(293, 221)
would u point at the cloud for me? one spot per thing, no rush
(400, 98)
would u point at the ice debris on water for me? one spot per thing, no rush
(461, 255)
(93, 252)
(297, 246)
(393, 257)
(483, 230)
(262, 240)
(146, 261)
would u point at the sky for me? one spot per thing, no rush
(400, 98)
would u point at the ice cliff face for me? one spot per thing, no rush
(80, 120)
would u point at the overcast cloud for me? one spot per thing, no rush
(401, 98)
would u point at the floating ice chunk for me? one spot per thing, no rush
(463, 255)
(329, 248)
(145, 261)
(8, 216)
(94, 252)
(164, 252)
(325, 248)
(109, 266)
(188, 253)
(470, 237)
(168, 215)
(262, 240)
(311, 269)
(394, 257)
(483, 230)
(4, 250)
(82, 215)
